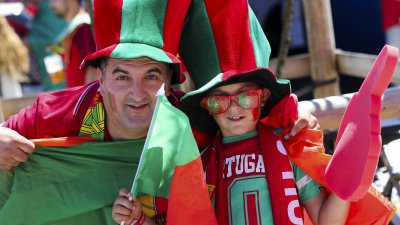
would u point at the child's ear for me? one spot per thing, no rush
(264, 96)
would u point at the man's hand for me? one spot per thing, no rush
(305, 121)
(14, 148)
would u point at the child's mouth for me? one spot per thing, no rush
(235, 118)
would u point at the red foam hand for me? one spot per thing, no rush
(351, 170)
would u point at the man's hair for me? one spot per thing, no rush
(103, 65)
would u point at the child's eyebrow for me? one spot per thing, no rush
(217, 92)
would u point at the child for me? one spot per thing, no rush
(249, 176)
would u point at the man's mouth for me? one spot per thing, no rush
(137, 106)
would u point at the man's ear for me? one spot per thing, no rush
(101, 81)
(264, 96)
(167, 88)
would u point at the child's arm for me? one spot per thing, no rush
(129, 211)
(327, 208)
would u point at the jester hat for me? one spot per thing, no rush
(202, 121)
(129, 29)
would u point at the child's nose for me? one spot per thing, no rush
(234, 104)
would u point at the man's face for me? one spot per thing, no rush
(59, 7)
(129, 90)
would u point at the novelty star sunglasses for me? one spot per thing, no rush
(219, 104)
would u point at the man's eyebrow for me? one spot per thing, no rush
(119, 70)
(155, 69)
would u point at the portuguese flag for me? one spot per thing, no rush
(170, 167)
(78, 184)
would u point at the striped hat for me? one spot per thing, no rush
(129, 29)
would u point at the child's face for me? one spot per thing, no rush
(238, 120)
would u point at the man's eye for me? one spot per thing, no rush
(152, 77)
(122, 77)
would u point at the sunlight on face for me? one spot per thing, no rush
(129, 89)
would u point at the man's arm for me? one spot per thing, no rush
(305, 120)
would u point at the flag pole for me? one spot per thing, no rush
(160, 92)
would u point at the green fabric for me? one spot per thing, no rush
(142, 36)
(261, 47)
(146, 28)
(308, 191)
(46, 26)
(169, 143)
(46, 29)
(134, 50)
(198, 45)
(68, 185)
(230, 139)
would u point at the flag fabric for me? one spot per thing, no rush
(68, 185)
(170, 167)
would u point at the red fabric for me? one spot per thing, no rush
(390, 13)
(173, 22)
(275, 164)
(202, 139)
(108, 33)
(62, 141)
(184, 207)
(231, 29)
(79, 43)
(52, 114)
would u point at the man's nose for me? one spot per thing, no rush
(138, 91)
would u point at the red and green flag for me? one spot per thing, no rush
(170, 167)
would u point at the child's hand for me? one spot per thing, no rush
(126, 210)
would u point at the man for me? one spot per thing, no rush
(132, 62)
(78, 41)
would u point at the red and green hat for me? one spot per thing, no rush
(128, 29)
(201, 120)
